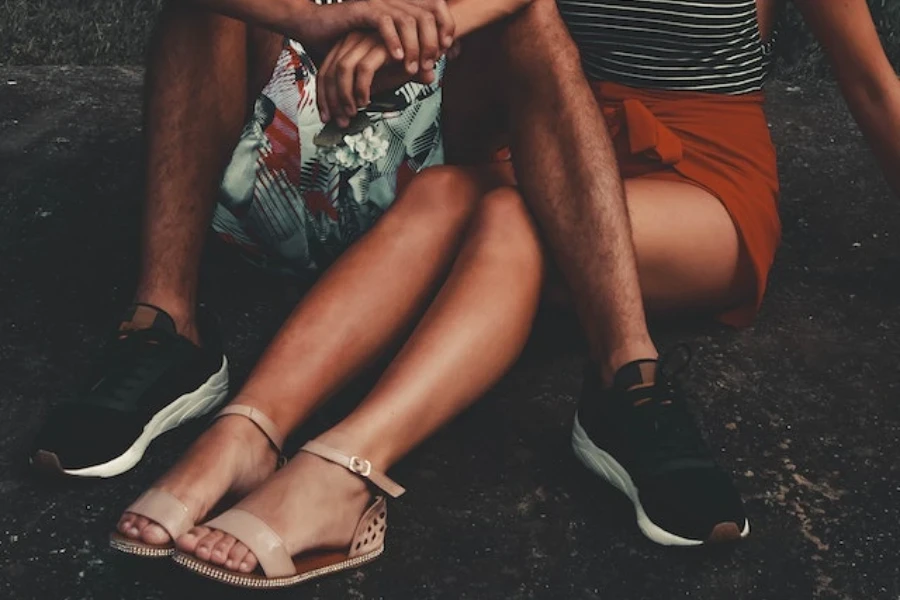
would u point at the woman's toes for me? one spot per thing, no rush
(138, 525)
(154, 534)
(187, 543)
(205, 546)
(126, 525)
(236, 556)
(221, 549)
(248, 563)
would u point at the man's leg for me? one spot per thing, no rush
(196, 103)
(568, 175)
(154, 375)
(632, 426)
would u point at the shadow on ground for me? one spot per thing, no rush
(803, 406)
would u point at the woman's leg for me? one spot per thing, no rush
(470, 335)
(348, 319)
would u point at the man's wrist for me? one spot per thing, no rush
(350, 14)
(296, 14)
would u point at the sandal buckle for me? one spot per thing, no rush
(359, 466)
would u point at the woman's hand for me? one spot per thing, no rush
(417, 32)
(356, 65)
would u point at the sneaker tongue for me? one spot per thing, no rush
(145, 316)
(640, 373)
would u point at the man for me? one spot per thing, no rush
(204, 112)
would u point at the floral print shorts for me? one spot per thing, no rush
(296, 193)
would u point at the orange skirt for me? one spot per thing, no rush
(717, 142)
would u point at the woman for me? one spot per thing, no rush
(680, 86)
(439, 257)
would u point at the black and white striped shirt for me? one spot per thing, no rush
(697, 45)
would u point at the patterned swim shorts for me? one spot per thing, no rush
(294, 206)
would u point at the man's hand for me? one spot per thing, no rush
(354, 66)
(417, 32)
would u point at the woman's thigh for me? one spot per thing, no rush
(688, 250)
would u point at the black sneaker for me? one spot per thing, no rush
(150, 381)
(640, 437)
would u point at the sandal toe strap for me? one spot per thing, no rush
(165, 510)
(261, 539)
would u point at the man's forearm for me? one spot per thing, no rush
(288, 16)
(298, 19)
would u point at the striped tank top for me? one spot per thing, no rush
(690, 45)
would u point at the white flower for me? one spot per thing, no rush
(358, 150)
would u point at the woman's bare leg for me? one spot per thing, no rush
(348, 319)
(471, 334)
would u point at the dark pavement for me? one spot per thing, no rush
(804, 406)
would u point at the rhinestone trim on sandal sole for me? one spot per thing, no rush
(239, 580)
(141, 550)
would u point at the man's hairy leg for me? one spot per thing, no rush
(196, 104)
(567, 171)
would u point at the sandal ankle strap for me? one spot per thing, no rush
(262, 422)
(356, 465)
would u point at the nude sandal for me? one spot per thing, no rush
(277, 569)
(169, 512)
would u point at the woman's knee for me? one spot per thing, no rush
(448, 194)
(503, 224)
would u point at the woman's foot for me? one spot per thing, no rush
(231, 457)
(312, 504)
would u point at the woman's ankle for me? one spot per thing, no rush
(360, 444)
(239, 430)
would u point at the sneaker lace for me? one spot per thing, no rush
(669, 429)
(133, 357)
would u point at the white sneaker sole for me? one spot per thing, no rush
(603, 464)
(189, 406)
